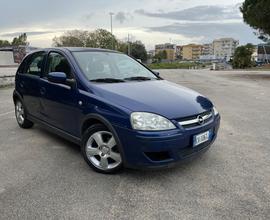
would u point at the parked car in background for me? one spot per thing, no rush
(121, 113)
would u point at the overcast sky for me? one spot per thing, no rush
(151, 21)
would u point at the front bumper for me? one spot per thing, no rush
(163, 148)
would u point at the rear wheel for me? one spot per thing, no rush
(20, 114)
(100, 150)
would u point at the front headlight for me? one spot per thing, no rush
(215, 111)
(150, 122)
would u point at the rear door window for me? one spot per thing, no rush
(35, 63)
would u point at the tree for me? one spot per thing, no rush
(161, 55)
(4, 43)
(99, 38)
(17, 41)
(256, 13)
(76, 38)
(242, 57)
(21, 40)
(102, 39)
(137, 49)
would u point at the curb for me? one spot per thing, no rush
(7, 81)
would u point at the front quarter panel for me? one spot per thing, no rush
(93, 104)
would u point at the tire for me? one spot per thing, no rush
(100, 150)
(21, 115)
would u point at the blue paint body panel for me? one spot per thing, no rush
(67, 108)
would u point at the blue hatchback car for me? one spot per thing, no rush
(121, 113)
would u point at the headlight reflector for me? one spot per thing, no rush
(150, 122)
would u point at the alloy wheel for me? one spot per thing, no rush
(102, 151)
(19, 110)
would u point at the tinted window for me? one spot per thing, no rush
(35, 64)
(58, 63)
(23, 65)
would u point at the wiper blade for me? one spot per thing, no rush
(139, 78)
(108, 80)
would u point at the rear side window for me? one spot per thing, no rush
(22, 66)
(35, 64)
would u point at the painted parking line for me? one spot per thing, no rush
(6, 113)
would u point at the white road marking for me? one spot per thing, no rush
(6, 113)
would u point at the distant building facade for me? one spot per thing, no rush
(224, 48)
(263, 53)
(207, 53)
(179, 52)
(207, 49)
(191, 51)
(151, 53)
(169, 48)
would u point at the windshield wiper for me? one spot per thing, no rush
(139, 78)
(107, 80)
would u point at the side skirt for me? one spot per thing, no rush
(55, 130)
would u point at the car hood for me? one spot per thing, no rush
(159, 96)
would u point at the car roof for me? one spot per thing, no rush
(80, 49)
(76, 49)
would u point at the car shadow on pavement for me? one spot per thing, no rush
(56, 139)
(180, 169)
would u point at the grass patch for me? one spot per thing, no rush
(175, 65)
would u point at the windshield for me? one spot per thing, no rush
(113, 66)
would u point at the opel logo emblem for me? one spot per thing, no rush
(200, 120)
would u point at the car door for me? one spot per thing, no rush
(59, 104)
(27, 82)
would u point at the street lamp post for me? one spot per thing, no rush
(129, 49)
(111, 14)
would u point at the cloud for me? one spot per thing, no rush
(122, 17)
(88, 16)
(29, 33)
(209, 31)
(198, 13)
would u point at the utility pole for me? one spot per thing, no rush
(111, 14)
(128, 46)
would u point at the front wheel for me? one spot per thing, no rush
(20, 114)
(100, 150)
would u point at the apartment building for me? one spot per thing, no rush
(191, 51)
(263, 53)
(169, 48)
(179, 52)
(207, 49)
(224, 48)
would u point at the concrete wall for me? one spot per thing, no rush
(6, 58)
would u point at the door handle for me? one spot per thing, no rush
(42, 91)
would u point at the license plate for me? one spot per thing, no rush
(201, 138)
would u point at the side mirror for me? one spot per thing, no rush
(157, 73)
(57, 77)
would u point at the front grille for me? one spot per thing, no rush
(196, 120)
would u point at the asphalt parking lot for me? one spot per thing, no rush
(44, 177)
